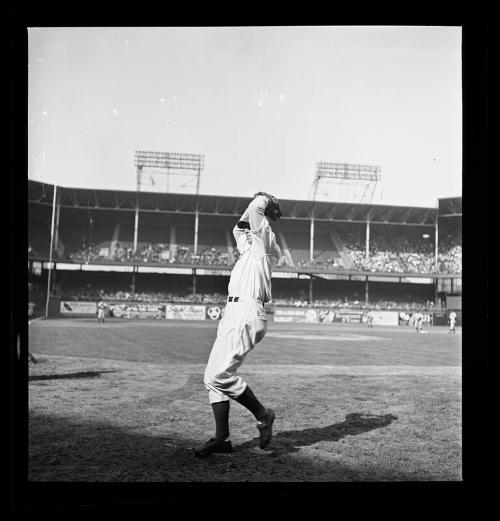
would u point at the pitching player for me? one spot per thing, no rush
(101, 307)
(452, 318)
(244, 323)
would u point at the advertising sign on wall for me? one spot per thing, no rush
(307, 315)
(69, 307)
(440, 318)
(348, 316)
(215, 312)
(408, 319)
(284, 314)
(137, 310)
(385, 318)
(185, 312)
(300, 315)
(326, 316)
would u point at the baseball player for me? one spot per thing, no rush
(244, 323)
(101, 307)
(419, 319)
(370, 318)
(452, 318)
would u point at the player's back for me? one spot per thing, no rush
(251, 275)
(259, 252)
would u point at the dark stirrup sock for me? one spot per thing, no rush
(249, 400)
(221, 415)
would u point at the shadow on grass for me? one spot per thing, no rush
(65, 450)
(354, 424)
(69, 376)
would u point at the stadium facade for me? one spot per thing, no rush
(181, 244)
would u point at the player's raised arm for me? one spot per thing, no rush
(241, 232)
(275, 250)
(251, 228)
(251, 221)
(256, 210)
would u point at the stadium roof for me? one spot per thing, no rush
(121, 200)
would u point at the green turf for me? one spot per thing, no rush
(125, 402)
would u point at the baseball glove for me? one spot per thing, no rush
(273, 208)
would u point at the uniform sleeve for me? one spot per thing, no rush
(256, 212)
(275, 250)
(241, 235)
(242, 239)
(259, 236)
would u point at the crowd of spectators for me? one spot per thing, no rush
(153, 253)
(211, 256)
(330, 263)
(387, 253)
(86, 254)
(450, 253)
(88, 293)
(355, 304)
(391, 253)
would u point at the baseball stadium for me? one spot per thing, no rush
(360, 360)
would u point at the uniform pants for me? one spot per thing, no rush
(244, 324)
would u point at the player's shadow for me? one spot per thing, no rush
(355, 423)
(69, 376)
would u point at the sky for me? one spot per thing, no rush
(263, 105)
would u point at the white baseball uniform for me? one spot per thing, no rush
(419, 318)
(100, 310)
(244, 323)
(453, 318)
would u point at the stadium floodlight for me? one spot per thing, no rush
(168, 160)
(348, 171)
(353, 182)
(168, 171)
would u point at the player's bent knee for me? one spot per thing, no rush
(221, 382)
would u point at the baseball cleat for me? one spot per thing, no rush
(213, 446)
(266, 429)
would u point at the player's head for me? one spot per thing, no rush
(273, 209)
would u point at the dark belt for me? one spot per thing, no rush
(243, 299)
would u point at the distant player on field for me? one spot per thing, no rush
(244, 323)
(419, 320)
(369, 317)
(101, 308)
(452, 319)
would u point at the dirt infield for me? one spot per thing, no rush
(125, 402)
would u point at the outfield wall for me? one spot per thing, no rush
(290, 314)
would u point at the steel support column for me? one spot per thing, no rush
(136, 228)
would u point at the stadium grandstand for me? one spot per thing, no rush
(143, 246)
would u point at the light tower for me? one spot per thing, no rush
(168, 172)
(344, 182)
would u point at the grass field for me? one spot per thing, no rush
(124, 401)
